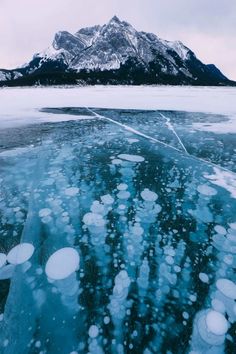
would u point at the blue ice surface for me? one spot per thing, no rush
(149, 207)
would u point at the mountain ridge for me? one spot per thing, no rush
(115, 53)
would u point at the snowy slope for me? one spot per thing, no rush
(109, 46)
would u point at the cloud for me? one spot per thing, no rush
(207, 27)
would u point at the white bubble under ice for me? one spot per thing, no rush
(233, 225)
(116, 161)
(20, 253)
(106, 320)
(3, 259)
(7, 271)
(122, 186)
(227, 287)
(93, 331)
(45, 212)
(206, 190)
(216, 323)
(123, 195)
(131, 158)
(148, 195)
(218, 305)
(132, 140)
(204, 277)
(107, 199)
(220, 230)
(62, 263)
(97, 207)
(71, 191)
(93, 219)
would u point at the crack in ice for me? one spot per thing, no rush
(127, 224)
(137, 132)
(170, 126)
(134, 131)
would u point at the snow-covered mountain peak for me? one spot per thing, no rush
(110, 45)
(118, 25)
(115, 19)
(123, 53)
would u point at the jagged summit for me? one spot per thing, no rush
(115, 53)
(115, 19)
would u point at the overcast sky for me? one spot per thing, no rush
(208, 27)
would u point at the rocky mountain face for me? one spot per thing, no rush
(114, 53)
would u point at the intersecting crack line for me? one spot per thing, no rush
(171, 127)
(137, 132)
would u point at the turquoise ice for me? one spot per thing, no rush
(118, 235)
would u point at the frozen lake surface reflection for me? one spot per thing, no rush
(118, 234)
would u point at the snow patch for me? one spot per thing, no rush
(224, 179)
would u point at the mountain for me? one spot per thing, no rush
(114, 53)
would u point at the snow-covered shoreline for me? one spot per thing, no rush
(20, 106)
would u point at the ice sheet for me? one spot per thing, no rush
(20, 105)
(134, 240)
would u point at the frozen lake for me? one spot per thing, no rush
(118, 220)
